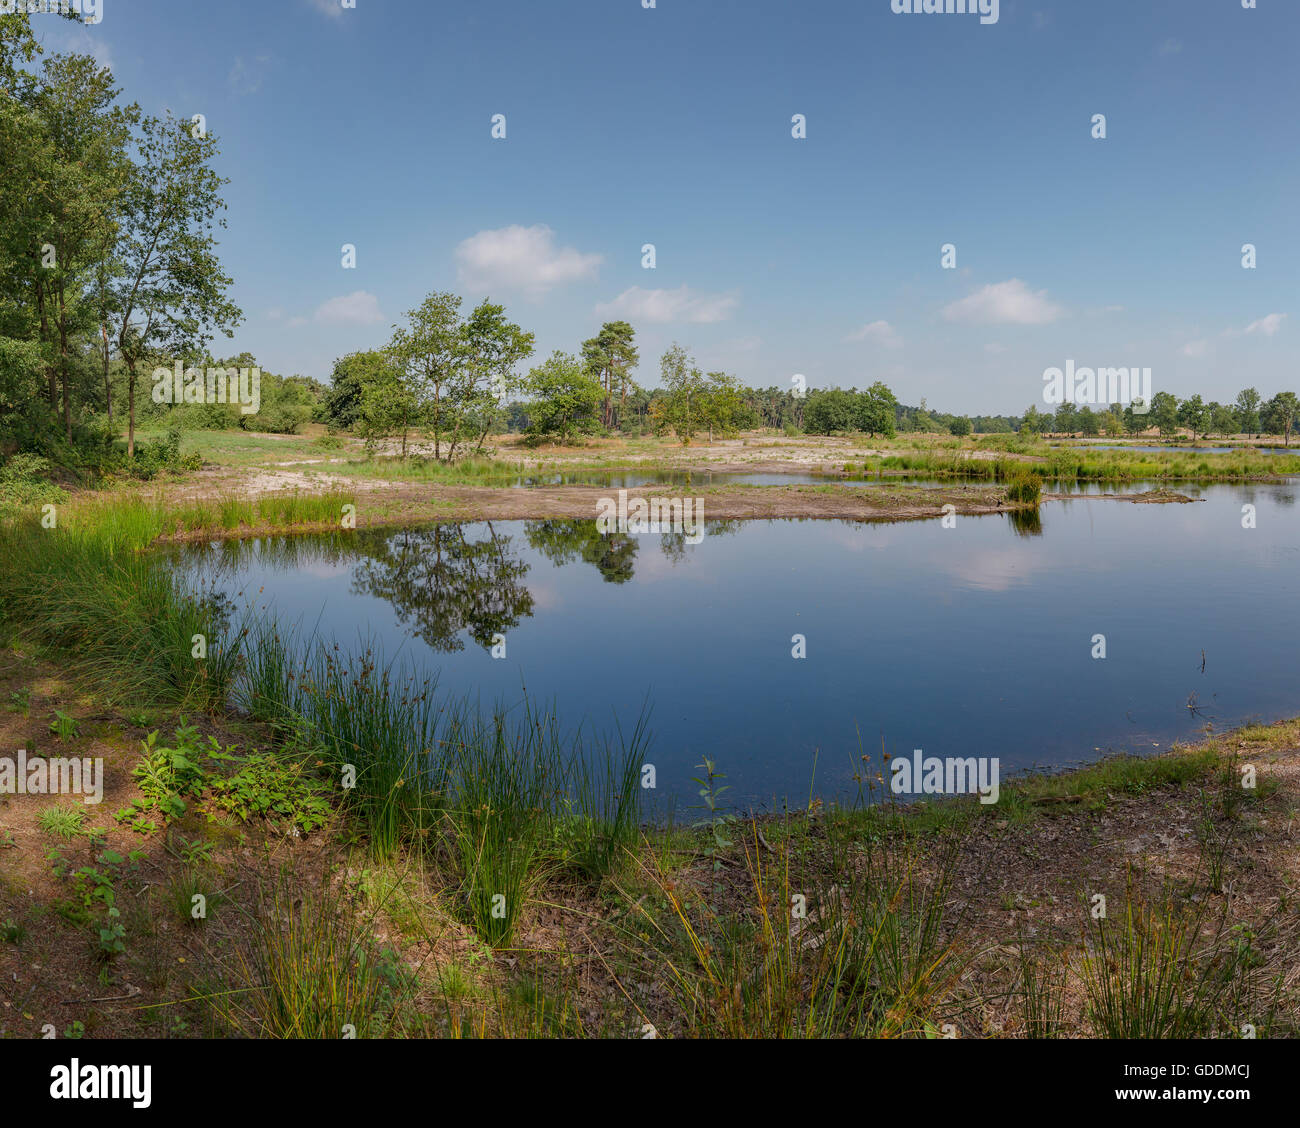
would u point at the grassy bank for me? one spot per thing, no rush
(1083, 465)
(369, 852)
(510, 903)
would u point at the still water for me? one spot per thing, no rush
(975, 640)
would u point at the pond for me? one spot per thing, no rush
(975, 640)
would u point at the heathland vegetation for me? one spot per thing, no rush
(304, 840)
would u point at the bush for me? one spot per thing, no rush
(25, 480)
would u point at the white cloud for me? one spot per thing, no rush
(327, 7)
(1195, 348)
(356, 308)
(879, 332)
(1004, 303)
(664, 306)
(246, 76)
(1266, 325)
(67, 37)
(521, 258)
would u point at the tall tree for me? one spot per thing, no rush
(682, 406)
(1247, 406)
(1280, 415)
(1193, 414)
(86, 173)
(171, 294)
(491, 348)
(427, 352)
(611, 355)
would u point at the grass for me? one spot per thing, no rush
(120, 616)
(1043, 981)
(1082, 464)
(501, 791)
(865, 955)
(62, 822)
(1165, 969)
(844, 928)
(310, 968)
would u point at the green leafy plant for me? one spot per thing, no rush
(717, 822)
(246, 785)
(95, 902)
(273, 788)
(65, 727)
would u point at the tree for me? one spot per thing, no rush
(1280, 415)
(681, 407)
(1035, 422)
(877, 411)
(84, 137)
(565, 397)
(960, 426)
(351, 374)
(1247, 409)
(1164, 412)
(1135, 422)
(830, 410)
(171, 292)
(388, 404)
(1089, 423)
(610, 356)
(1067, 419)
(722, 408)
(1223, 420)
(1112, 422)
(426, 353)
(490, 349)
(1193, 414)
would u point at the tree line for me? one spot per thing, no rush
(1250, 413)
(108, 263)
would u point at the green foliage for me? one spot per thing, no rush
(25, 480)
(1172, 970)
(64, 822)
(95, 896)
(247, 786)
(20, 701)
(832, 410)
(565, 398)
(1025, 488)
(312, 970)
(65, 727)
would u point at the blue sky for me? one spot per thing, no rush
(775, 256)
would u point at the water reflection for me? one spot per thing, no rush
(445, 583)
